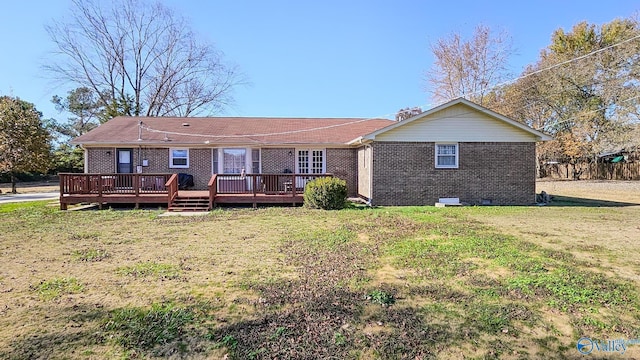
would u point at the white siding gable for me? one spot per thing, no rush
(457, 123)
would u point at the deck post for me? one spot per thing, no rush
(100, 191)
(293, 185)
(255, 183)
(63, 206)
(136, 185)
(213, 186)
(293, 190)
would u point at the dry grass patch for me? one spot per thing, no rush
(598, 225)
(294, 283)
(31, 187)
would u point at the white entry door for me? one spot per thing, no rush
(309, 161)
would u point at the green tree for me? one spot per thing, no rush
(85, 106)
(24, 139)
(68, 158)
(584, 90)
(119, 106)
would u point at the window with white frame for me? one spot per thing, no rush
(214, 161)
(255, 161)
(178, 158)
(310, 161)
(446, 156)
(233, 160)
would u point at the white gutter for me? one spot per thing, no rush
(370, 174)
(86, 159)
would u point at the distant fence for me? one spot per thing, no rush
(591, 171)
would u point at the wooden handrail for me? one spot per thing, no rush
(112, 183)
(172, 188)
(213, 190)
(254, 184)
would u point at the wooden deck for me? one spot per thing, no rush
(139, 189)
(258, 199)
(71, 199)
(114, 189)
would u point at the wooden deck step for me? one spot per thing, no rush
(190, 204)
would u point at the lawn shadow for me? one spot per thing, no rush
(74, 333)
(584, 202)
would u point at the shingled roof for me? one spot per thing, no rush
(230, 130)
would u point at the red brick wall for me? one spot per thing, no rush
(101, 160)
(276, 160)
(405, 174)
(343, 163)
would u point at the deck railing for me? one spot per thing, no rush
(212, 189)
(172, 188)
(267, 184)
(107, 184)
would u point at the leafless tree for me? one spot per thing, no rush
(140, 51)
(406, 113)
(469, 68)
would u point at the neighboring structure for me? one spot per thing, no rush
(458, 149)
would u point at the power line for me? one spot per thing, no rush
(558, 64)
(591, 111)
(429, 105)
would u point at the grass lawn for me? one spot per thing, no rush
(406, 282)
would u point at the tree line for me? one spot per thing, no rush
(584, 89)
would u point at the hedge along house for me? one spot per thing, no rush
(458, 149)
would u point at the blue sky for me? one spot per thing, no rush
(314, 58)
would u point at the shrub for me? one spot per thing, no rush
(326, 193)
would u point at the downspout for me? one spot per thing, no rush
(86, 159)
(370, 168)
(139, 166)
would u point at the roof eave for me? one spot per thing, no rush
(200, 144)
(360, 140)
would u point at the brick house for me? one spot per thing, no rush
(458, 149)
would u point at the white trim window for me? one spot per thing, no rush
(255, 161)
(214, 161)
(178, 158)
(233, 160)
(311, 161)
(447, 156)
